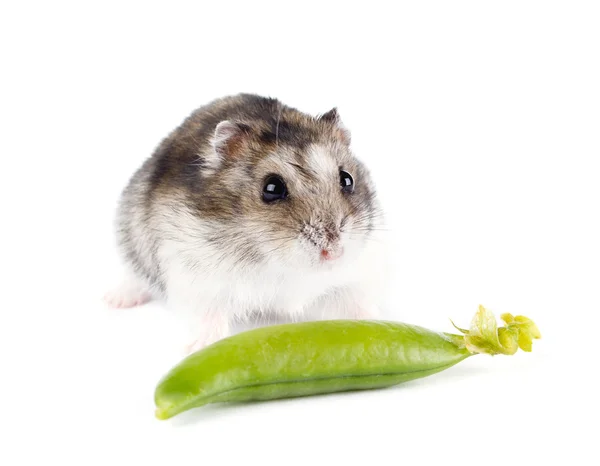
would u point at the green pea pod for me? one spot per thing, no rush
(311, 358)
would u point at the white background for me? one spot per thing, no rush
(481, 124)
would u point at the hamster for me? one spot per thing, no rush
(252, 206)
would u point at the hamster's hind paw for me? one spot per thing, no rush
(127, 295)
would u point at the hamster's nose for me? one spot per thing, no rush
(329, 254)
(332, 249)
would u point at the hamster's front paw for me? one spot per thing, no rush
(128, 294)
(365, 313)
(198, 344)
(210, 330)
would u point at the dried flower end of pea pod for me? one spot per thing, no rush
(485, 337)
(311, 358)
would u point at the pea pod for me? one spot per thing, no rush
(311, 358)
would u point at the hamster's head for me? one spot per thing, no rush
(292, 192)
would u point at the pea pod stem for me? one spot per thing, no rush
(485, 337)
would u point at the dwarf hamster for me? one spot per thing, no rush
(252, 206)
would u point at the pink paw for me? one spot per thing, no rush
(210, 329)
(197, 345)
(126, 296)
(366, 313)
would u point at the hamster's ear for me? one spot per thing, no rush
(228, 141)
(340, 131)
(332, 116)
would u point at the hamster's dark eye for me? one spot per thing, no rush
(274, 189)
(346, 181)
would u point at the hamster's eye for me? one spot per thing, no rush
(274, 189)
(346, 182)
